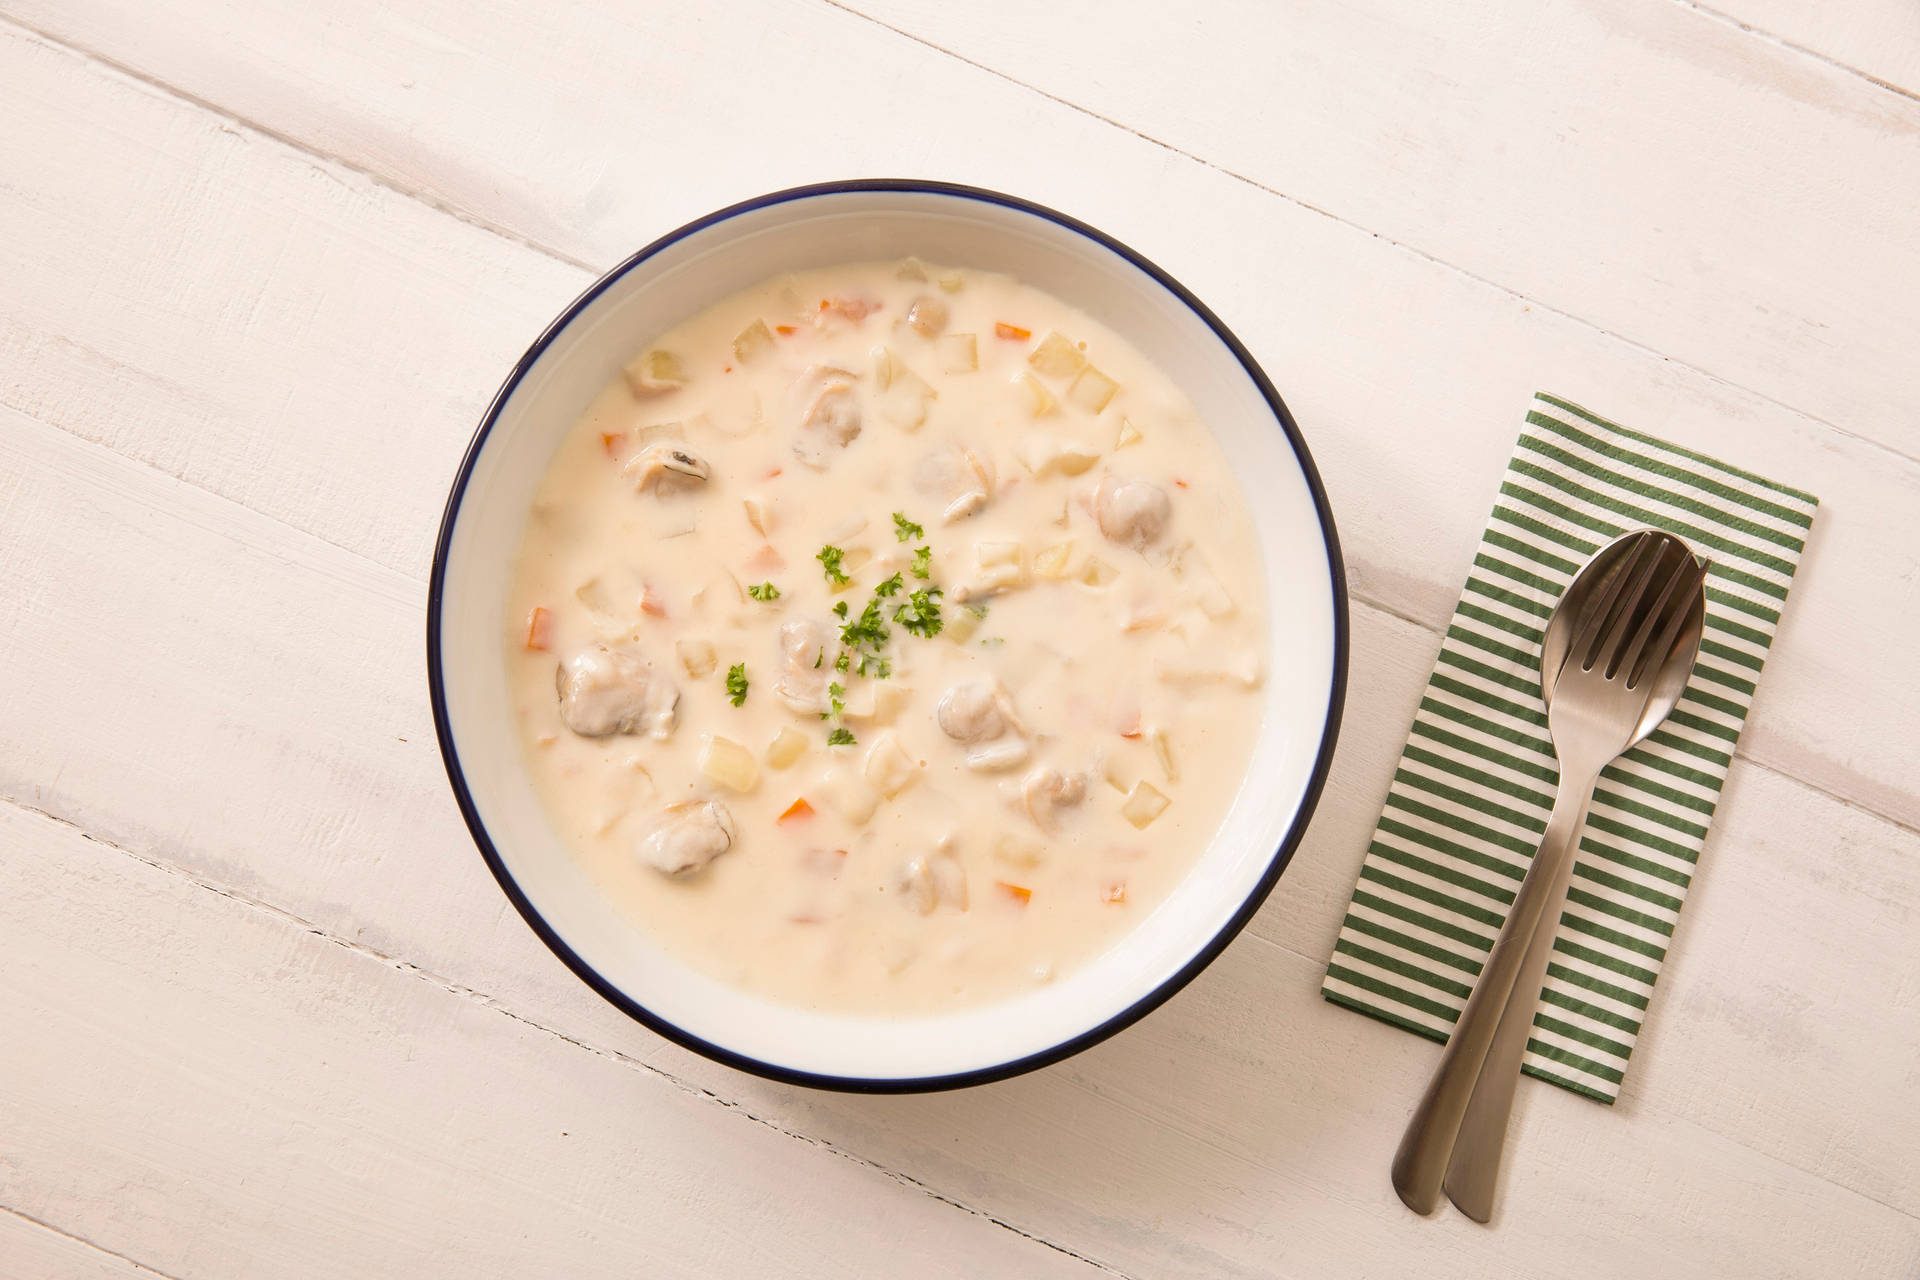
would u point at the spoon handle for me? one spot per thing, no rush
(1474, 1169)
(1420, 1164)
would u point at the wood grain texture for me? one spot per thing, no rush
(33, 1250)
(1409, 378)
(265, 269)
(218, 1090)
(1607, 158)
(1878, 39)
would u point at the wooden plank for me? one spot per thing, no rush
(318, 348)
(1879, 39)
(287, 668)
(1642, 165)
(31, 1249)
(210, 1085)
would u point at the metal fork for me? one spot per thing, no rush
(1615, 660)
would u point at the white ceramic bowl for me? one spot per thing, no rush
(679, 275)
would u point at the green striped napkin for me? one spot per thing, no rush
(1475, 783)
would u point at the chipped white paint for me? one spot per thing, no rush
(266, 262)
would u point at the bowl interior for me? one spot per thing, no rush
(584, 351)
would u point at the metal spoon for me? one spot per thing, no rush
(1614, 660)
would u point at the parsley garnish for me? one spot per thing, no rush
(830, 558)
(841, 737)
(737, 683)
(905, 529)
(840, 662)
(922, 562)
(890, 587)
(819, 658)
(868, 631)
(765, 591)
(840, 608)
(920, 615)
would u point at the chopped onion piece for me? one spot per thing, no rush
(1143, 804)
(1040, 401)
(1091, 390)
(1057, 357)
(1129, 434)
(957, 352)
(654, 373)
(752, 342)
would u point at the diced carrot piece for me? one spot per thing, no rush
(824, 304)
(1116, 892)
(1183, 484)
(539, 628)
(797, 810)
(773, 474)
(806, 917)
(766, 560)
(1130, 727)
(611, 441)
(1020, 895)
(784, 330)
(1011, 332)
(651, 603)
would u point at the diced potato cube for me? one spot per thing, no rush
(728, 763)
(1056, 357)
(1040, 401)
(1053, 562)
(927, 316)
(1163, 751)
(696, 656)
(960, 625)
(1043, 453)
(989, 554)
(880, 702)
(1097, 573)
(889, 767)
(787, 746)
(1115, 772)
(957, 352)
(752, 342)
(1091, 390)
(852, 795)
(1129, 434)
(917, 888)
(950, 878)
(654, 373)
(758, 515)
(952, 282)
(1143, 804)
(1017, 850)
(911, 269)
(1212, 597)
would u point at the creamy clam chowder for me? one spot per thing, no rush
(886, 638)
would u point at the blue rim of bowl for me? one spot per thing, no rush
(1336, 693)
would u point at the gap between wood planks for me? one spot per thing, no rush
(459, 214)
(330, 162)
(491, 1003)
(34, 1223)
(1761, 33)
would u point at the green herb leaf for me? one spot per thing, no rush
(922, 562)
(905, 529)
(890, 587)
(920, 615)
(842, 737)
(830, 558)
(765, 591)
(737, 683)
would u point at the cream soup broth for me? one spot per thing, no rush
(885, 640)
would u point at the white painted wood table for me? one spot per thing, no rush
(264, 1013)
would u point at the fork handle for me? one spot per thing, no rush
(1420, 1164)
(1474, 1169)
